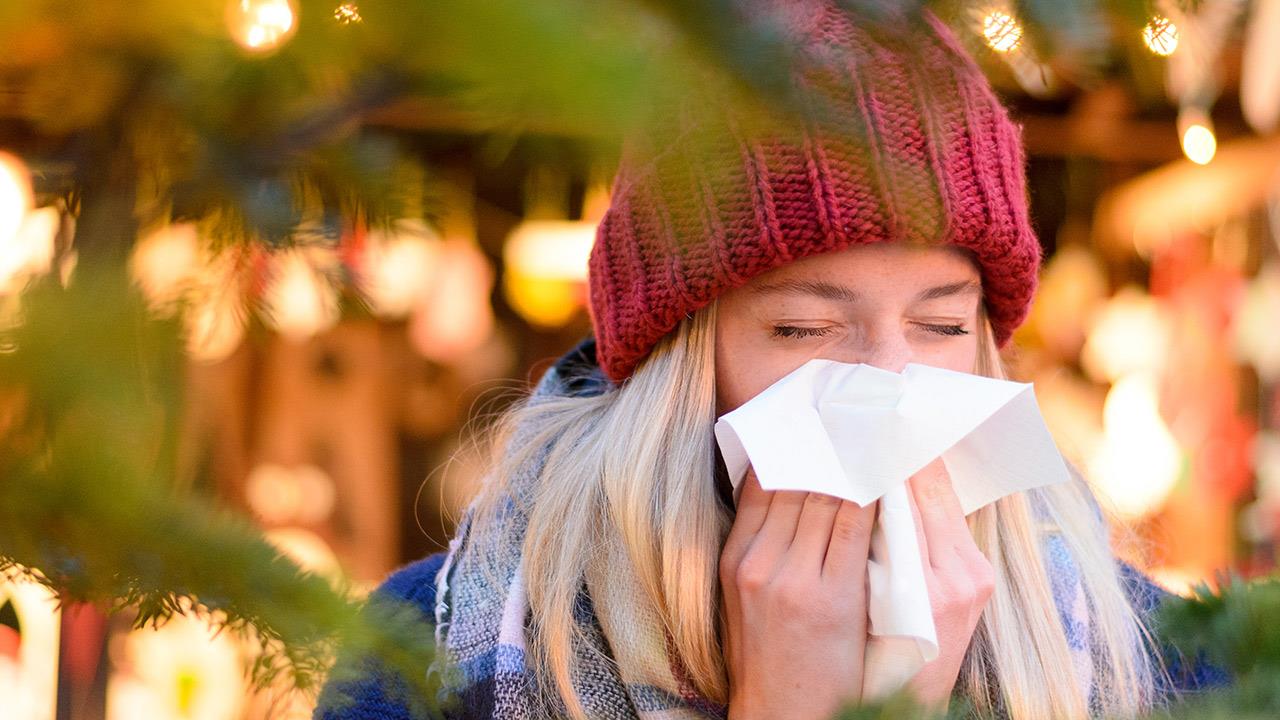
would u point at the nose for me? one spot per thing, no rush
(884, 346)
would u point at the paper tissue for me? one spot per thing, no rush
(859, 433)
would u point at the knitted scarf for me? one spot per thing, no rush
(625, 671)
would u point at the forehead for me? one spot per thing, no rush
(895, 262)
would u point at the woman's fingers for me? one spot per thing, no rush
(813, 531)
(850, 541)
(921, 537)
(753, 506)
(945, 529)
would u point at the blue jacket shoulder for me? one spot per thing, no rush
(374, 692)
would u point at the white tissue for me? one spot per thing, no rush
(859, 433)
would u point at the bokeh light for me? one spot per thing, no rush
(546, 269)
(397, 267)
(299, 301)
(1160, 35)
(1002, 31)
(261, 25)
(1138, 462)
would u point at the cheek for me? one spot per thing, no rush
(960, 355)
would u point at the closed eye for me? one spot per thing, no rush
(943, 329)
(797, 331)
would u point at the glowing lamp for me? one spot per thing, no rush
(261, 26)
(299, 301)
(1130, 334)
(1160, 35)
(164, 262)
(398, 267)
(546, 269)
(1001, 31)
(1138, 462)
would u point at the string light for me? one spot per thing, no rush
(299, 301)
(164, 264)
(1160, 35)
(1196, 130)
(261, 25)
(347, 14)
(399, 264)
(546, 262)
(215, 326)
(1002, 31)
(15, 196)
(1139, 461)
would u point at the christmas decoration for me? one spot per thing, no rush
(1160, 36)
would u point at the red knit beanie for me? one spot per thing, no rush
(905, 142)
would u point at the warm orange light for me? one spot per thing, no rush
(399, 265)
(1130, 334)
(1138, 462)
(1002, 31)
(347, 14)
(546, 268)
(1160, 35)
(261, 25)
(165, 263)
(215, 326)
(29, 251)
(455, 317)
(280, 495)
(1199, 143)
(15, 196)
(299, 301)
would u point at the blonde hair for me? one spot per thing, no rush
(626, 505)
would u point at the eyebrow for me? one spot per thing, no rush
(819, 288)
(840, 293)
(964, 287)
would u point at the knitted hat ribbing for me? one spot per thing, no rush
(910, 145)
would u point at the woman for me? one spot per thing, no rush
(605, 571)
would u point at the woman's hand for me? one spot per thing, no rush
(959, 576)
(794, 573)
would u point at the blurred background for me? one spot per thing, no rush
(365, 226)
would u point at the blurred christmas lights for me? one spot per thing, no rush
(1138, 461)
(1196, 130)
(1160, 35)
(29, 251)
(261, 25)
(397, 266)
(347, 14)
(15, 196)
(299, 300)
(164, 264)
(1002, 31)
(546, 269)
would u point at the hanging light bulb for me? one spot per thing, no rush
(164, 264)
(29, 251)
(546, 269)
(1001, 30)
(455, 317)
(15, 196)
(1198, 141)
(262, 25)
(214, 327)
(1138, 462)
(399, 264)
(347, 13)
(300, 301)
(1160, 35)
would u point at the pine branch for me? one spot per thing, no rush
(87, 507)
